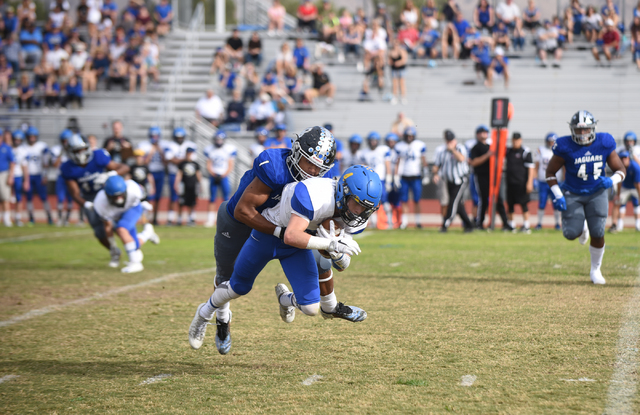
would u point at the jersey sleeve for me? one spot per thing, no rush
(102, 157)
(636, 168)
(268, 169)
(559, 149)
(99, 204)
(207, 151)
(233, 151)
(301, 202)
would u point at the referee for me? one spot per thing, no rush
(451, 166)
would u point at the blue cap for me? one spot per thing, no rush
(262, 131)
(66, 134)
(373, 135)
(623, 154)
(551, 137)
(281, 127)
(356, 138)
(115, 185)
(391, 137)
(18, 135)
(481, 128)
(32, 131)
(328, 126)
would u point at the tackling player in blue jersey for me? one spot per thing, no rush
(583, 198)
(85, 174)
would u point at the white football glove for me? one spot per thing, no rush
(331, 235)
(88, 205)
(388, 183)
(146, 206)
(345, 246)
(397, 182)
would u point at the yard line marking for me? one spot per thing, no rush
(579, 380)
(468, 380)
(8, 378)
(624, 382)
(46, 310)
(155, 379)
(43, 236)
(311, 380)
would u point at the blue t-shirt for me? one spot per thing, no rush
(274, 142)
(461, 26)
(584, 164)
(633, 175)
(484, 16)
(271, 168)
(110, 7)
(498, 67)
(429, 11)
(10, 24)
(52, 39)
(430, 38)
(25, 36)
(163, 11)
(605, 10)
(300, 54)
(483, 54)
(86, 175)
(75, 90)
(6, 157)
(335, 170)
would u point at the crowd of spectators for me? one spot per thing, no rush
(51, 61)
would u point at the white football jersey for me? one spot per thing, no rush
(177, 151)
(220, 157)
(542, 156)
(37, 157)
(113, 213)
(411, 158)
(321, 193)
(255, 149)
(155, 164)
(377, 158)
(351, 159)
(20, 154)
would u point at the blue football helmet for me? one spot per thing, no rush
(154, 134)
(410, 132)
(78, 150)
(66, 134)
(32, 134)
(17, 135)
(631, 137)
(318, 146)
(550, 138)
(391, 137)
(218, 138)
(583, 120)
(116, 190)
(356, 138)
(373, 135)
(179, 134)
(363, 185)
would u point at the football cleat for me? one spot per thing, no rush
(287, 313)
(557, 227)
(525, 230)
(596, 277)
(345, 312)
(223, 336)
(584, 237)
(613, 229)
(153, 238)
(115, 257)
(538, 227)
(132, 267)
(197, 329)
(208, 225)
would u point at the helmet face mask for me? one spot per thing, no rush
(358, 194)
(179, 134)
(318, 146)
(118, 199)
(115, 189)
(78, 150)
(583, 128)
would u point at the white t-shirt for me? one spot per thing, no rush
(155, 164)
(351, 159)
(78, 60)
(375, 43)
(54, 57)
(256, 149)
(508, 11)
(177, 151)
(376, 160)
(549, 43)
(220, 157)
(261, 110)
(20, 154)
(107, 211)
(210, 108)
(411, 158)
(57, 18)
(37, 156)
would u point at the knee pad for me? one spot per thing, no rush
(623, 210)
(310, 309)
(570, 234)
(636, 210)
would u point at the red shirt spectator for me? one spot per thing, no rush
(611, 38)
(408, 36)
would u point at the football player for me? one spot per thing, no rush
(583, 197)
(155, 149)
(59, 156)
(353, 157)
(378, 157)
(410, 169)
(37, 155)
(258, 147)
(543, 155)
(176, 154)
(630, 142)
(85, 174)
(221, 159)
(303, 207)
(20, 172)
(627, 191)
(120, 205)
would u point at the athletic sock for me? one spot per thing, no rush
(192, 217)
(540, 216)
(556, 216)
(328, 303)
(171, 216)
(221, 296)
(47, 208)
(7, 217)
(112, 243)
(512, 223)
(596, 257)
(130, 247)
(404, 220)
(210, 217)
(30, 210)
(527, 225)
(417, 215)
(68, 215)
(18, 217)
(620, 225)
(389, 212)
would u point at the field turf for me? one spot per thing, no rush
(515, 315)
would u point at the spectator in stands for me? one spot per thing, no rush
(31, 41)
(74, 93)
(6, 70)
(401, 123)
(150, 62)
(284, 59)
(351, 38)
(635, 27)
(531, 16)
(384, 20)
(547, 44)
(276, 14)
(254, 50)
(261, 113)
(301, 56)
(483, 16)
(52, 91)
(118, 73)
(56, 18)
(509, 13)
(26, 11)
(635, 47)
(118, 146)
(398, 58)
(95, 69)
(374, 45)
(210, 108)
(256, 148)
(321, 85)
(228, 80)
(608, 42)
(563, 32)
(591, 24)
(360, 19)
(25, 92)
(163, 14)
(481, 55)
(11, 50)
(429, 14)
(55, 56)
(269, 83)
(110, 10)
(449, 10)
(409, 15)
(280, 140)
(234, 46)
(65, 73)
(500, 65)
(450, 38)
(408, 37)
(567, 24)
(235, 113)
(307, 16)
(11, 23)
(79, 58)
(501, 35)
(119, 45)
(428, 43)
(291, 84)
(610, 11)
(250, 80)
(138, 74)
(465, 33)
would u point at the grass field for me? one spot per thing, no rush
(517, 312)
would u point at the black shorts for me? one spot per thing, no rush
(531, 25)
(482, 68)
(517, 195)
(188, 198)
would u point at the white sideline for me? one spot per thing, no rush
(155, 379)
(624, 382)
(43, 236)
(46, 310)
(311, 380)
(8, 378)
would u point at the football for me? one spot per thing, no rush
(327, 225)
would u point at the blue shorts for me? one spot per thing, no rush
(384, 198)
(128, 221)
(172, 189)
(158, 180)
(298, 265)
(17, 188)
(411, 183)
(473, 191)
(213, 189)
(394, 197)
(544, 193)
(35, 181)
(62, 192)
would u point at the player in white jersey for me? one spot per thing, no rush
(353, 157)
(302, 208)
(38, 158)
(59, 156)
(378, 157)
(410, 169)
(258, 147)
(176, 154)
(221, 157)
(20, 173)
(155, 149)
(120, 205)
(542, 157)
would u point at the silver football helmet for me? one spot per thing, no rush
(583, 128)
(78, 150)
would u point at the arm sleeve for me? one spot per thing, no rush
(266, 170)
(301, 202)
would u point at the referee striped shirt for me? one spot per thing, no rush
(450, 168)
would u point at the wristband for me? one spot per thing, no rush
(318, 243)
(88, 205)
(279, 232)
(617, 177)
(557, 192)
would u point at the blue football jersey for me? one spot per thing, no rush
(584, 164)
(86, 175)
(633, 175)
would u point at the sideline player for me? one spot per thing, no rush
(20, 173)
(411, 170)
(85, 173)
(155, 149)
(38, 155)
(585, 203)
(627, 191)
(221, 157)
(120, 204)
(303, 207)
(543, 155)
(354, 156)
(59, 156)
(378, 157)
(176, 154)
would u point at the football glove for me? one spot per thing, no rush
(88, 205)
(388, 183)
(605, 182)
(397, 183)
(146, 206)
(346, 246)
(560, 204)
(331, 235)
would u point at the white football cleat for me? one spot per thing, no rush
(153, 237)
(133, 267)
(287, 314)
(208, 225)
(584, 238)
(596, 277)
(197, 329)
(115, 257)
